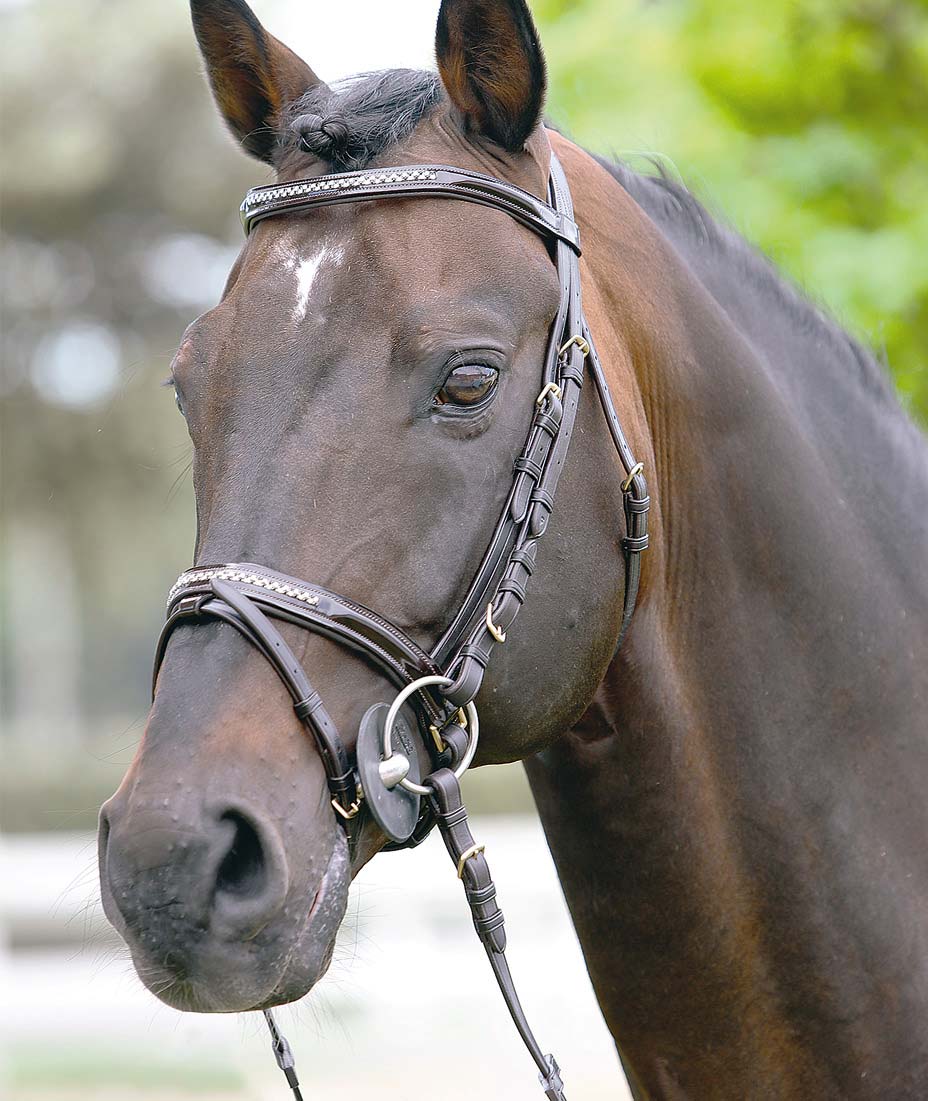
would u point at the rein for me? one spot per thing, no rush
(439, 686)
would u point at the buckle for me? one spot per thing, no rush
(348, 814)
(497, 632)
(581, 342)
(550, 388)
(632, 474)
(468, 854)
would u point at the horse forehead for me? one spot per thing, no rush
(354, 250)
(298, 266)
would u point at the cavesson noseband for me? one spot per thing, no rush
(440, 684)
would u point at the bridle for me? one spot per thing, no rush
(441, 684)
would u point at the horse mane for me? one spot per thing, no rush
(673, 207)
(352, 121)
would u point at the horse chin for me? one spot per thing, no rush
(280, 964)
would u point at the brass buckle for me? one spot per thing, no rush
(582, 343)
(350, 813)
(469, 854)
(495, 631)
(550, 388)
(635, 470)
(460, 719)
(437, 738)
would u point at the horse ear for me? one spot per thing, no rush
(253, 76)
(492, 67)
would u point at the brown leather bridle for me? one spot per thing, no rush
(247, 596)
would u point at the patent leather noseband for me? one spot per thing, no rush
(448, 678)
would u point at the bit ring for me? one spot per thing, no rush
(473, 730)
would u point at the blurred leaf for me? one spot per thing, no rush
(803, 122)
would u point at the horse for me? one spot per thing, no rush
(734, 797)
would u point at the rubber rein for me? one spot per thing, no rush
(436, 689)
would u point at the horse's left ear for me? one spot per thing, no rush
(492, 67)
(253, 76)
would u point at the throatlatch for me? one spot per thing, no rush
(437, 689)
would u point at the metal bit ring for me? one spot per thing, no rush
(473, 729)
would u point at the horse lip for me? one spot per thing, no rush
(338, 865)
(332, 869)
(317, 897)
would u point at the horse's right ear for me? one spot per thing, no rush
(492, 67)
(253, 76)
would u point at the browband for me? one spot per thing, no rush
(437, 180)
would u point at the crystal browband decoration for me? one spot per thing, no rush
(245, 577)
(260, 195)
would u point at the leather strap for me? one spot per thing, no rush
(509, 561)
(412, 181)
(480, 892)
(315, 608)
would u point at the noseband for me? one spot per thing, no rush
(440, 684)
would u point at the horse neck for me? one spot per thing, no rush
(769, 578)
(731, 725)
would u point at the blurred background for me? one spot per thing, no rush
(802, 122)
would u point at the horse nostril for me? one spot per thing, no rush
(103, 830)
(251, 878)
(243, 871)
(103, 842)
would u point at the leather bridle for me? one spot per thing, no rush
(440, 684)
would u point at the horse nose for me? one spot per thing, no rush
(218, 870)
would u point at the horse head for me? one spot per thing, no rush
(356, 402)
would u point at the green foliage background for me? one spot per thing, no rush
(802, 122)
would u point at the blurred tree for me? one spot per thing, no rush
(805, 122)
(120, 196)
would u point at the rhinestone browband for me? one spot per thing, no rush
(334, 183)
(227, 573)
(415, 181)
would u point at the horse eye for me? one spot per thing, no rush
(179, 403)
(468, 385)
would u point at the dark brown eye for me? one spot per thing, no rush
(468, 385)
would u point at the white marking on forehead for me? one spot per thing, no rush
(306, 272)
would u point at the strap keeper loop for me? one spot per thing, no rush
(525, 465)
(525, 558)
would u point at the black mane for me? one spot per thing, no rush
(352, 121)
(673, 207)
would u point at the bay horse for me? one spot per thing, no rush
(735, 798)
